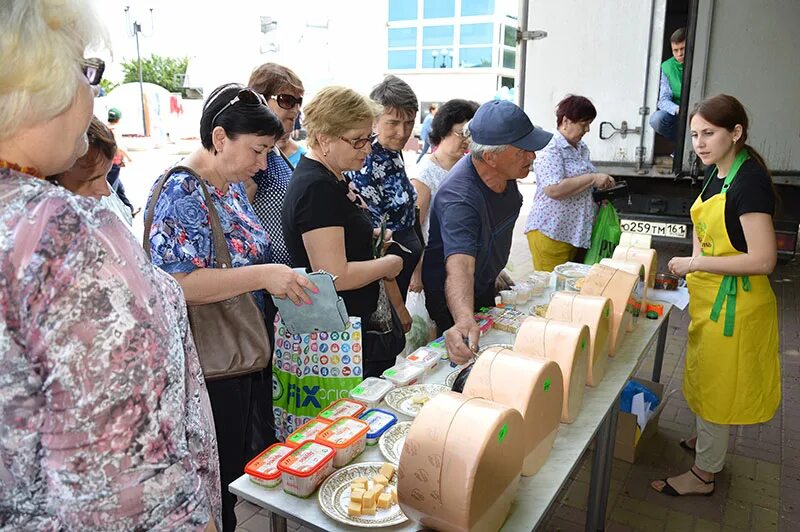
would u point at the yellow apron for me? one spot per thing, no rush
(732, 374)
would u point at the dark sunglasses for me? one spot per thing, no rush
(246, 96)
(287, 101)
(357, 144)
(93, 69)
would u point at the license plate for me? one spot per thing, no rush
(668, 230)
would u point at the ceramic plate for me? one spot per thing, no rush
(334, 497)
(489, 346)
(451, 379)
(402, 399)
(391, 442)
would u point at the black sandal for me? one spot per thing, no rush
(669, 490)
(686, 447)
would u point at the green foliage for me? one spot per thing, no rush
(167, 72)
(108, 85)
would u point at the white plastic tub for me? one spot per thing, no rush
(372, 391)
(426, 358)
(306, 467)
(379, 422)
(342, 408)
(263, 469)
(403, 374)
(348, 436)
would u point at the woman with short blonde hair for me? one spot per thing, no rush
(106, 420)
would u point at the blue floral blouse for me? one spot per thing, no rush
(180, 236)
(386, 189)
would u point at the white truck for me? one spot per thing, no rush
(611, 52)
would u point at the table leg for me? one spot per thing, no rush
(658, 362)
(277, 522)
(601, 471)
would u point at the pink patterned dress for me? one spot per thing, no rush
(104, 416)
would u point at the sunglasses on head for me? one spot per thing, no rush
(93, 69)
(287, 101)
(246, 96)
(357, 144)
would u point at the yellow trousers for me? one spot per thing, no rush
(548, 253)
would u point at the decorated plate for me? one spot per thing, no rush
(391, 442)
(489, 346)
(334, 497)
(409, 400)
(451, 379)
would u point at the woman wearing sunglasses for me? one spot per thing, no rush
(237, 131)
(326, 225)
(105, 417)
(283, 92)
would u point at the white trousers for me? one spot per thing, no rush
(711, 446)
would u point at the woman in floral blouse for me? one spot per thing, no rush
(105, 418)
(237, 131)
(560, 222)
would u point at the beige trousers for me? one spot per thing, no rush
(711, 446)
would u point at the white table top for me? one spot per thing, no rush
(535, 494)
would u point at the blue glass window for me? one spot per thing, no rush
(477, 7)
(433, 58)
(402, 37)
(399, 59)
(437, 36)
(402, 9)
(475, 57)
(509, 58)
(510, 36)
(476, 33)
(439, 8)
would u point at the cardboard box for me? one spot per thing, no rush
(626, 447)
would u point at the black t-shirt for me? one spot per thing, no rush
(316, 199)
(751, 191)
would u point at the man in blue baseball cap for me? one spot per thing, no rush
(472, 222)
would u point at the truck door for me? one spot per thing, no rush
(607, 51)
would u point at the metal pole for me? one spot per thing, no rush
(601, 470)
(658, 362)
(277, 522)
(136, 29)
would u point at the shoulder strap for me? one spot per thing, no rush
(285, 159)
(223, 256)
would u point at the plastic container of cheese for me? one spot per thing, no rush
(371, 391)
(342, 408)
(263, 469)
(403, 374)
(307, 432)
(426, 358)
(348, 436)
(379, 422)
(306, 467)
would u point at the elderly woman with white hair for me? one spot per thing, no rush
(106, 420)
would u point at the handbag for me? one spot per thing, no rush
(230, 335)
(327, 311)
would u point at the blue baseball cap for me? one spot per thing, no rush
(502, 122)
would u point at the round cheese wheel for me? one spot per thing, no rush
(460, 464)
(594, 312)
(566, 344)
(646, 257)
(532, 386)
(638, 300)
(619, 287)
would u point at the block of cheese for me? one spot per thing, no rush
(566, 344)
(532, 386)
(594, 312)
(460, 464)
(619, 287)
(646, 257)
(638, 300)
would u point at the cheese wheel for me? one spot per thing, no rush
(646, 257)
(638, 301)
(618, 286)
(460, 464)
(594, 312)
(532, 386)
(635, 240)
(566, 344)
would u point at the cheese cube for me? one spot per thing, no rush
(368, 498)
(380, 479)
(384, 500)
(357, 495)
(394, 495)
(361, 480)
(354, 509)
(368, 510)
(387, 470)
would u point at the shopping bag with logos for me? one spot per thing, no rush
(310, 371)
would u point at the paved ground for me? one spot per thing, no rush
(760, 487)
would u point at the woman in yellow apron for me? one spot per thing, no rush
(732, 370)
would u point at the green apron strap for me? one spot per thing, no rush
(727, 294)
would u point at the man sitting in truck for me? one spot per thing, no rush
(665, 118)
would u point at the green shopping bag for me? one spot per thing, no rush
(310, 371)
(605, 234)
